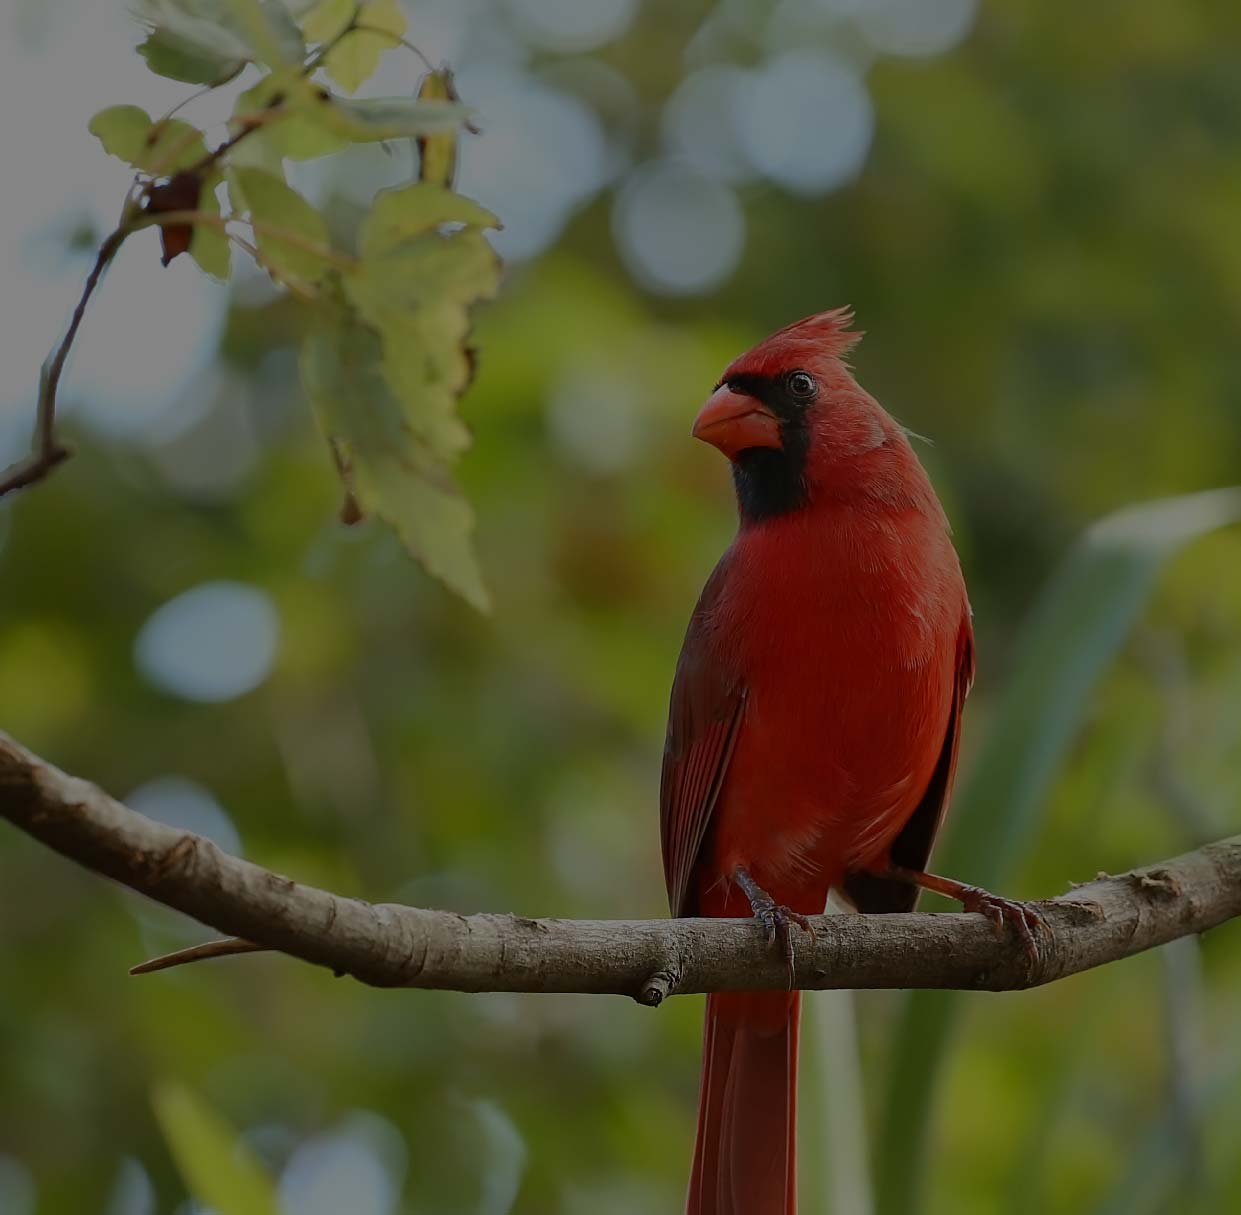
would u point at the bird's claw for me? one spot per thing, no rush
(776, 919)
(1024, 919)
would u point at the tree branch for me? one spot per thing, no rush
(388, 945)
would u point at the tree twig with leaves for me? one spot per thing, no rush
(386, 324)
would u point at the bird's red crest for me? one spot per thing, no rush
(823, 335)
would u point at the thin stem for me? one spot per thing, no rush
(194, 96)
(202, 92)
(47, 452)
(250, 124)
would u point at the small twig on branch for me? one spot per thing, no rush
(47, 452)
(388, 945)
(226, 948)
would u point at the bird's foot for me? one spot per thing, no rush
(776, 919)
(1024, 919)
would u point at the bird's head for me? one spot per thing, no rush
(791, 417)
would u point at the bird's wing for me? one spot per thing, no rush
(912, 848)
(704, 716)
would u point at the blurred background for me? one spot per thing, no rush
(1033, 207)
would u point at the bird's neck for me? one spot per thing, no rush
(792, 485)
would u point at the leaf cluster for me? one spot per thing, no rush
(386, 356)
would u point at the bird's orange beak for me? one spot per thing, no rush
(734, 422)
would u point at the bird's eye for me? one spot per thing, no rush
(801, 385)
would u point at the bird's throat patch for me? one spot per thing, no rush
(772, 481)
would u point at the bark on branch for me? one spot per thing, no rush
(388, 945)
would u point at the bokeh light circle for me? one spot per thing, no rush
(700, 122)
(212, 643)
(358, 1166)
(541, 153)
(807, 121)
(678, 232)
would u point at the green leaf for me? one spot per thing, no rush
(171, 145)
(416, 287)
(191, 40)
(354, 59)
(208, 41)
(291, 235)
(259, 151)
(387, 470)
(437, 154)
(209, 246)
(122, 129)
(218, 1168)
(315, 123)
(1077, 625)
(400, 215)
(268, 29)
(160, 148)
(327, 19)
(378, 118)
(183, 60)
(299, 134)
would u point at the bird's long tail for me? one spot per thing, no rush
(743, 1158)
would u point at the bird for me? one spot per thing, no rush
(814, 718)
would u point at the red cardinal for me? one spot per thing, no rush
(814, 717)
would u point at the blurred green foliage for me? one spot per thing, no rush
(1043, 248)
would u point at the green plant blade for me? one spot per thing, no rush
(1077, 625)
(215, 1163)
(835, 1175)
